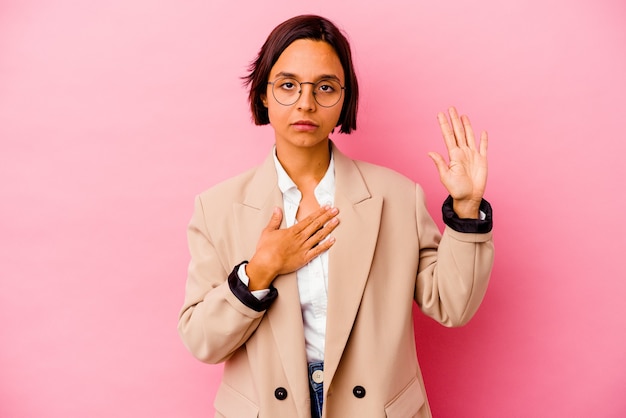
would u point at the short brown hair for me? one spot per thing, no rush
(302, 27)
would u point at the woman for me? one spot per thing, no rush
(304, 269)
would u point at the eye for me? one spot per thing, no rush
(327, 87)
(286, 84)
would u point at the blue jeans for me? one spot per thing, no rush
(316, 390)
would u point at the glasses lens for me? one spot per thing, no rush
(286, 91)
(327, 92)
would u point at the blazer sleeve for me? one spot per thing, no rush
(454, 269)
(213, 322)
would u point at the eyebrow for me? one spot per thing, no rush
(321, 77)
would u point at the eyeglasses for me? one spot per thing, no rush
(287, 91)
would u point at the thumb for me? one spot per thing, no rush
(276, 219)
(442, 167)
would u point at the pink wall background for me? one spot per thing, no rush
(114, 114)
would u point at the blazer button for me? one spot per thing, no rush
(359, 391)
(280, 394)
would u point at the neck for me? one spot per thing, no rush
(304, 164)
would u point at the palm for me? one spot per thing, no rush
(465, 176)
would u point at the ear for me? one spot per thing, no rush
(264, 99)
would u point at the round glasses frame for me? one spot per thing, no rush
(299, 84)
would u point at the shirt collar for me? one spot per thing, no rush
(284, 181)
(325, 190)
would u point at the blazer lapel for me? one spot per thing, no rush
(285, 315)
(350, 257)
(254, 212)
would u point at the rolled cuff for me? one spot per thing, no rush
(472, 226)
(241, 291)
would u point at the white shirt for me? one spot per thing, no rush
(313, 277)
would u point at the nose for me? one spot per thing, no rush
(306, 101)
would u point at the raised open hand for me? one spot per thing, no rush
(465, 177)
(281, 251)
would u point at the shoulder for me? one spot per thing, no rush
(384, 179)
(375, 170)
(219, 198)
(371, 173)
(230, 186)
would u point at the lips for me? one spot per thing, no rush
(304, 123)
(304, 126)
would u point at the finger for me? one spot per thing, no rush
(469, 132)
(275, 220)
(319, 212)
(440, 163)
(319, 249)
(446, 131)
(459, 132)
(317, 220)
(321, 234)
(484, 142)
(303, 224)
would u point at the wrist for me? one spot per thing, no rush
(260, 278)
(467, 209)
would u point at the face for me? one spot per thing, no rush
(304, 124)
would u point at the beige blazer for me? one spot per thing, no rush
(388, 253)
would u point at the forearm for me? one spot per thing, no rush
(452, 287)
(454, 269)
(217, 325)
(213, 321)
